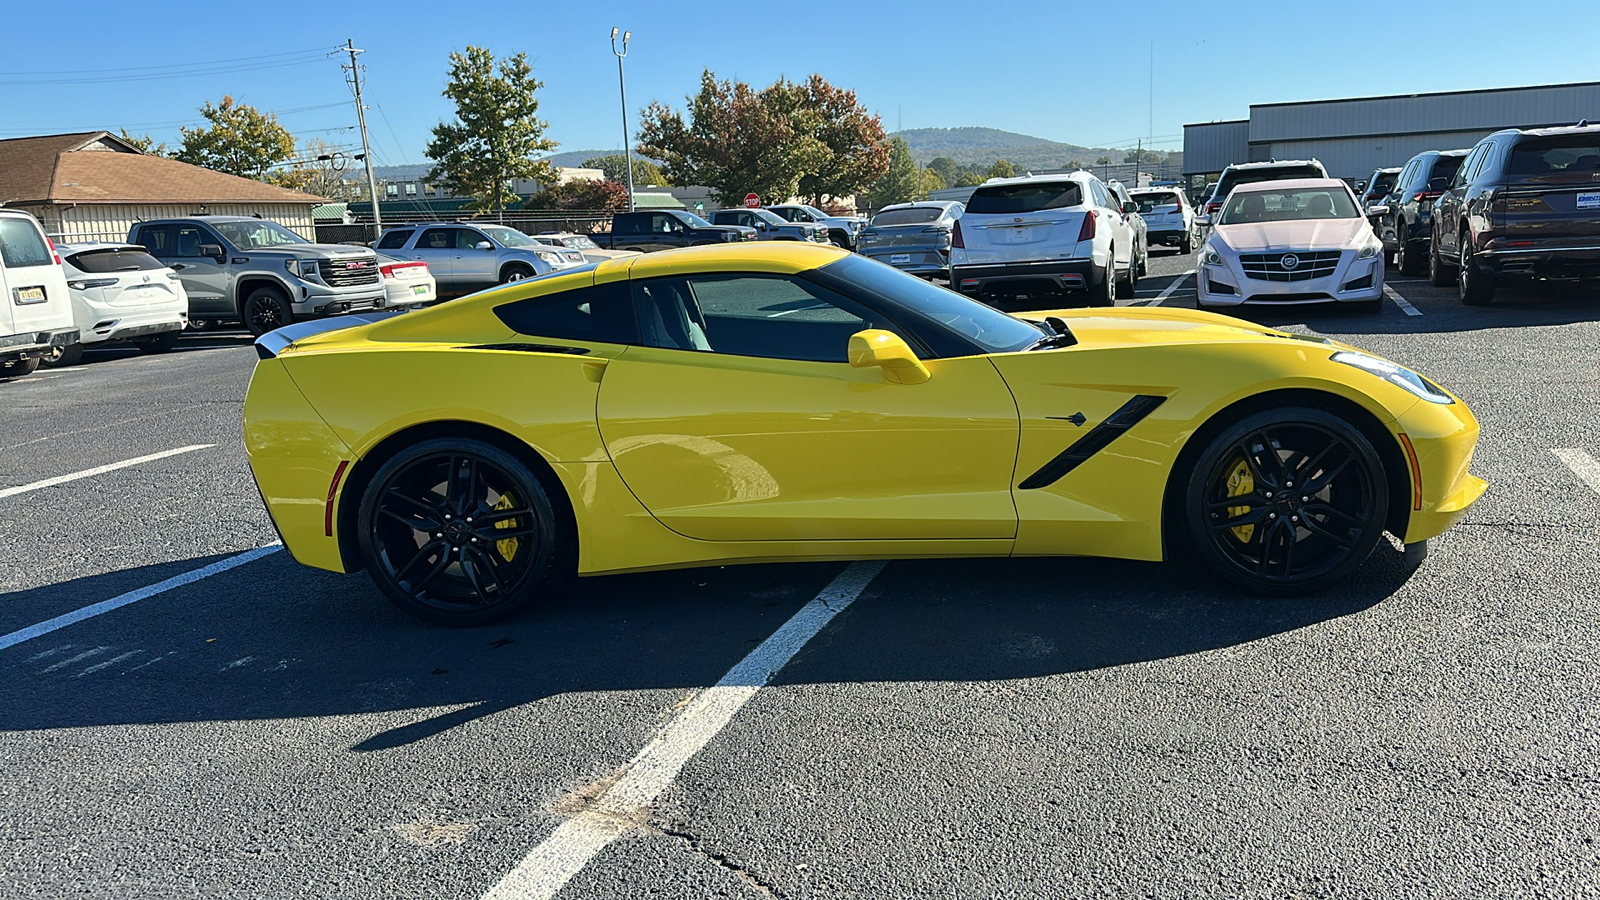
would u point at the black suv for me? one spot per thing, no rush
(1401, 221)
(1525, 204)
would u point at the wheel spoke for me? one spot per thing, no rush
(422, 554)
(1251, 463)
(1253, 517)
(1321, 481)
(480, 573)
(495, 517)
(1269, 448)
(1270, 541)
(424, 513)
(1320, 529)
(1309, 469)
(1331, 510)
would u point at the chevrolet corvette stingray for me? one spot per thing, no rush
(778, 401)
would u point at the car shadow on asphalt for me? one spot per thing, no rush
(1523, 308)
(273, 640)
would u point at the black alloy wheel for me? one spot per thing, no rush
(1439, 274)
(266, 309)
(457, 532)
(1473, 284)
(1287, 501)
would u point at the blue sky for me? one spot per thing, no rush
(1068, 72)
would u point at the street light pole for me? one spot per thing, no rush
(366, 148)
(622, 85)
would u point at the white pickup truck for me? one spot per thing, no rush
(35, 308)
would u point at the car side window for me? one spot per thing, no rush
(603, 312)
(766, 316)
(468, 239)
(155, 238)
(661, 223)
(394, 238)
(187, 241)
(436, 239)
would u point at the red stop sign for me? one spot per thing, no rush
(751, 201)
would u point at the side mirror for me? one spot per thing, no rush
(212, 250)
(483, 245)
(889, 352)
(1377, 211)
(1203, 220)
(1130, 207)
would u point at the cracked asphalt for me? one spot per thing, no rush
(997, 728)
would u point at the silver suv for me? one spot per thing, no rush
(255, 271)
(770, 226)
(842, 230)
(465, 257)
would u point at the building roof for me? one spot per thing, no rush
(98, 167)
(653, 200)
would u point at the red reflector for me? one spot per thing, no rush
(1416, 471)
(1520, 243)
(1086, 233)
(967, 281)
(955, 236)
(333, 488)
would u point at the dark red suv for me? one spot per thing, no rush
(1524, 204)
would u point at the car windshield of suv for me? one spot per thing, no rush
(1002, 199)
(1560, 158)
(989, 328)
(916, 215)
(257, 234)
(508, 237)
(1288, 206)
(1148, 202)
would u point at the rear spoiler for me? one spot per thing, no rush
(269, 345)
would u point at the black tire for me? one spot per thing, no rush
(1144, 262)
(439, 549)
(1407, 260)
(1127, 283)
(515, 272)
(17, 368)
(1439, 274)
(1186, 246)
(158, 343)
(1296, 489)
(266, 309)
(1104, 292)
(1473, 284)
(70, 355)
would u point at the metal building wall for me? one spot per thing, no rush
(1213, 146)
(1456, 112)
(1357, 157)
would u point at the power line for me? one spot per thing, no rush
(237, 59)
(196, 73)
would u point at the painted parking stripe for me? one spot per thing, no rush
(1403, 303)
(134, 596)
(98, 470)
(1583, 464)
(563, 854)
(1168, 292)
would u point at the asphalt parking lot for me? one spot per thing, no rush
(997, 728)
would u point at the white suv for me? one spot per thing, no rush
(35, 307)
(1042, 235)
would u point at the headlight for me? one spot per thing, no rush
(1211, 257)
(550, 257)
(1399, 376)
(1369, 249)
(301, 267)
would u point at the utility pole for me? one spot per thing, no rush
(366, 149)
(1136, 160)
(622, 85)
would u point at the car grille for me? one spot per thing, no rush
(348, 272)
(1308, 264)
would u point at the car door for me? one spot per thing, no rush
(475, 266)
(207, 280)
(1447, 210)
(1121, 231)
(739, 418)
(437, 248)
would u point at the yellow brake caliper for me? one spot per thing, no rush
(1239, 484)
(508, 546)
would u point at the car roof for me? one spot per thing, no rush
(1275, 163)
(85, 246)
(1288, 184)
(1388, 170)
(776, 257)
(1581, 128)
(1079, 175)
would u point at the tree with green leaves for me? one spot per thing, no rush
(1002, 169)
(1103, 161)
(946, 168)
(241, 140)
(602, 196)
(931, 181)
(497, 135)
(145, 144)
(1142, 156)
(901, 183)
(969, 179)
(854, 138)
(321, 170)
(615, 166)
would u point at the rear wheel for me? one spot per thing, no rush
(1475, 286)
(17, 368)
(1287, 501)
(266, 309)
(1186, 246)
(158, 343)
(1127, 283)
(457, 532)
(1407, 259)
(1439, 274)
(1104, 292)
(61, 357)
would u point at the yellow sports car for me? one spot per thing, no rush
(789, 401)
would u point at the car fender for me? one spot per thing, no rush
(247, 282)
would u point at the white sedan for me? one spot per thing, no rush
(121, 293)
(1291, 242)
(406, 282)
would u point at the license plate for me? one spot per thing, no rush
(1016, 235)
(1589, 201)
(26, 295)
(419, 289)
(896, 259)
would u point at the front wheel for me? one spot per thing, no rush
(266, 309)
(515, 273)
(61, 357)
(457, 532)
(1287, 501)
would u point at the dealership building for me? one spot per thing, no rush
(1353, 137)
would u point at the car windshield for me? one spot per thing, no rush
(916, 215)
(509, 237)
(579, 242)
(257, 234)
(691, 220)
(989, 328)
(1024, 198)
(1289, 205)
(1148, 202)
(769, 217)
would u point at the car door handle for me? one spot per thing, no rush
(178, 267)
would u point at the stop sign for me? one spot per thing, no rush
(751, 201)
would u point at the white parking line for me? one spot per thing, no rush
(1176, 282)
(1583, 464)
(97, 470)
(569, 848)
(121, 600)
(1403, 303)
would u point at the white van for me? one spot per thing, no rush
(35, 308)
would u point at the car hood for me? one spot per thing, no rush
(1302, 234)
(1152, 326)
(309, 251)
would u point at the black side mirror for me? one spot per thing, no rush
(1130, 207)
(212, 250)
(1439, 183)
